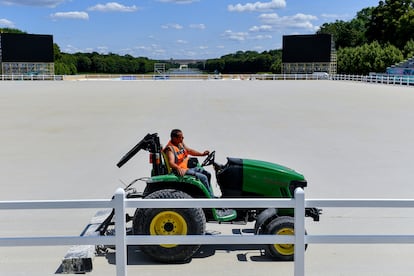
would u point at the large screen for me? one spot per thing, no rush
(307, 48)
(26, 48)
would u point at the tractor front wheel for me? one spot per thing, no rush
(281, 226)
(163, 221)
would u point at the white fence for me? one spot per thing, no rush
(378, 78)
(29, 77)
(121, 240)
(133, 77)
(375, 78)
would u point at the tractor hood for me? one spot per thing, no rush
(258, 178)
(269, 179)
(272, 168)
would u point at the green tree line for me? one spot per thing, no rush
(376, 38)
(69, 64)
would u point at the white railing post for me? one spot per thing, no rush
(299, 232)
(120, 233)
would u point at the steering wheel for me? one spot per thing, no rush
(209, 159)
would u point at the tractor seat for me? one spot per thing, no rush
(166, 163)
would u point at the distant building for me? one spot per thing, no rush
(29, 54)
(307, 54)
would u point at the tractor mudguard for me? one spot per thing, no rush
(263, 217)
(187, 183)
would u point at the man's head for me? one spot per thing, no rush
(176, 136)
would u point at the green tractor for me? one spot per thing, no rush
(238, 178)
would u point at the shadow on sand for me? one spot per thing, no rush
(245, 253)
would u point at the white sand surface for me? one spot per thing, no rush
(61, 140)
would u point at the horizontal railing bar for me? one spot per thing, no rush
(56, 204)
(360, 203)
(56, 240)
(147, 239)
(210, 203)
(367, 239)
(206, 239)
(210, 239)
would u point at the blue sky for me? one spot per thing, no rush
(178, 29)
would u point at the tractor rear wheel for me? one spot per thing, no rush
(162, 221)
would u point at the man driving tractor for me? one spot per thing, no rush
(177, 154)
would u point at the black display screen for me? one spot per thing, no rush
(26, 48)
(307, 48)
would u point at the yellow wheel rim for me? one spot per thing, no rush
(168, 223)
(285, 249)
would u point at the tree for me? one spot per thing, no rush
(56, 52)
(83, 63)
(11, 30)
(348, 33)
(367, 58)
(405, 28)
(214, 65)
(408, 50)
(64, 69)
(387, 22)
(341, 32)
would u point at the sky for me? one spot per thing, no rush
(173, 29)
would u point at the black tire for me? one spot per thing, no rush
(281, 226)
(190, 221)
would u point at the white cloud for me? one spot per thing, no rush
(252, 34)
(261, 37)
(35, 3)
(297, 21)
(243, 36)
(158, 52)
(70, 49)
(180, 41)
(262, 28)
(102, 49)
(336, 16)
(258, 48)
(190, 54)
(6, 23)
(70, 15)
(153, 49)
(178, 1)
(73, 49)
(198, 26)
(113, 7)
(257, 6)
(172, 26)
(238, 36)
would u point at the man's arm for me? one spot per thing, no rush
(196, 153)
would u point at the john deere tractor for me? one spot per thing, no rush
(238, 178)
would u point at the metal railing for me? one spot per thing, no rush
(29, 77)
(121, 240)
(376, 78)
(167, 76)
(135, 77)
